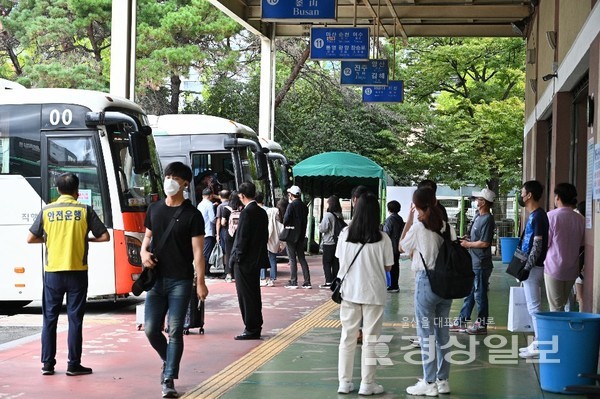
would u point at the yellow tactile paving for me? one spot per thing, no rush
(238, 371)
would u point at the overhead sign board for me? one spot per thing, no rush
(298, 10)
(392, 93)
(339, 44)
(365, 73)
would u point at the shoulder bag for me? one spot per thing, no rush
(518, 261)
(148, 277)
(336, 284)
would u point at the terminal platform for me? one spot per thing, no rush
(296, 359)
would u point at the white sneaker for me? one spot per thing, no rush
(263, 283)
(443, 386)
(422, 388)
(270, 283)
(370, 389)
(415, 342)
(530, 354)
(345, 387)
(532, 347)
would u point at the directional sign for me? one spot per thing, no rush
(339, 44)
(392, 93)
(298, 10)
(365, 73)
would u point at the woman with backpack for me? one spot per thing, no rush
(365, 254)
(423, 241)
(230, 216)
(331, 226)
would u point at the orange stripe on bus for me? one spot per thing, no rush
(134, 221)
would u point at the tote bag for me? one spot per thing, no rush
(519, 319)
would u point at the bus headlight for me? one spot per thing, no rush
(133, 250)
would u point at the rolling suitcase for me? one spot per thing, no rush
(194, 317)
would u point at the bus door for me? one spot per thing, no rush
(79, 152)
(20, 203)
(216, 170)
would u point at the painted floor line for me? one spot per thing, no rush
(238, 371)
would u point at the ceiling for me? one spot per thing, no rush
(403, 18)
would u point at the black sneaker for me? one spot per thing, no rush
(326, 285)
(307, 286)
(168, 389)
(393, 290)
(78, 370)
(48, 369)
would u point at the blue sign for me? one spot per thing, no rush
(298, 10)
(339, 44)
(392, 93)
(365, 73)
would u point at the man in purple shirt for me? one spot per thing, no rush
(565, 237)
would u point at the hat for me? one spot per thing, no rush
(294, 190)
(486, 194)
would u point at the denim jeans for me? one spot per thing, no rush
(56, 284)
(172, 296)
(209, 244)
(479, 295)
(272, 266)
(297, 249)
(432, 313)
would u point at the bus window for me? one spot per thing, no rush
(77, 155)
(219, 167)
(249, 173)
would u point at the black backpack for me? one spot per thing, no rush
(338, 226)
(452, 277)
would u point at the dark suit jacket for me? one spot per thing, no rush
(251, 236)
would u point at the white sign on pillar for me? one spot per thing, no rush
(266, 116)
(122, 49)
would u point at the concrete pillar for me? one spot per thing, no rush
(122, 48)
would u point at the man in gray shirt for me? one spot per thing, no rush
(479, 244)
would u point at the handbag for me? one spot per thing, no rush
(215, 260)
(148, 276)
(519, 319)
(518, 261)
(336, 284)
(288, 234)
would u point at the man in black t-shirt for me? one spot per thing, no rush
(173, 259)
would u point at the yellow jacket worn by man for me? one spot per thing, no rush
(64, 226)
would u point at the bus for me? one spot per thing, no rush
(281, 176)
(108, 143)
(229, 152)
(10, 85)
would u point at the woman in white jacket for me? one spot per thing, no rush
(363, 292)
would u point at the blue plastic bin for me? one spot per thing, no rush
(577, 337)
(508, 245)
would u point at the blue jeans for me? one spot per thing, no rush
(479, 295)
(432, 313)
(209, 244)
(272, 265)
(56, 284)
(172, 296)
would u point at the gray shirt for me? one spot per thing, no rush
(482, 230)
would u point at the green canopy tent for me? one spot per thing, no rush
(337, 173)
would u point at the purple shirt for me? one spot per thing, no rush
(565, 237)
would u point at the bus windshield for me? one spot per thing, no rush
(136, 191)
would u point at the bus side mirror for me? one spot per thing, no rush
(287, 175)
(262, 169)
(140, 151)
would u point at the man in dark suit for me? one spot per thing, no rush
(248, 254)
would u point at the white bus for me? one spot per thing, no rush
(10, 85)
(281, 175)
(229, 151)
(107, 142)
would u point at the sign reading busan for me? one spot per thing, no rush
(392, 93)
(365, 73)
(298, 10)
(339, 44)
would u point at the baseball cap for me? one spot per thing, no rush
(294, 190)
(486, 194)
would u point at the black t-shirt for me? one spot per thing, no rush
(176, 257)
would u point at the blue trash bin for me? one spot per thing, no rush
(508, 246)
(575, 349)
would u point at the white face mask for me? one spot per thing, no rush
(171, 187)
